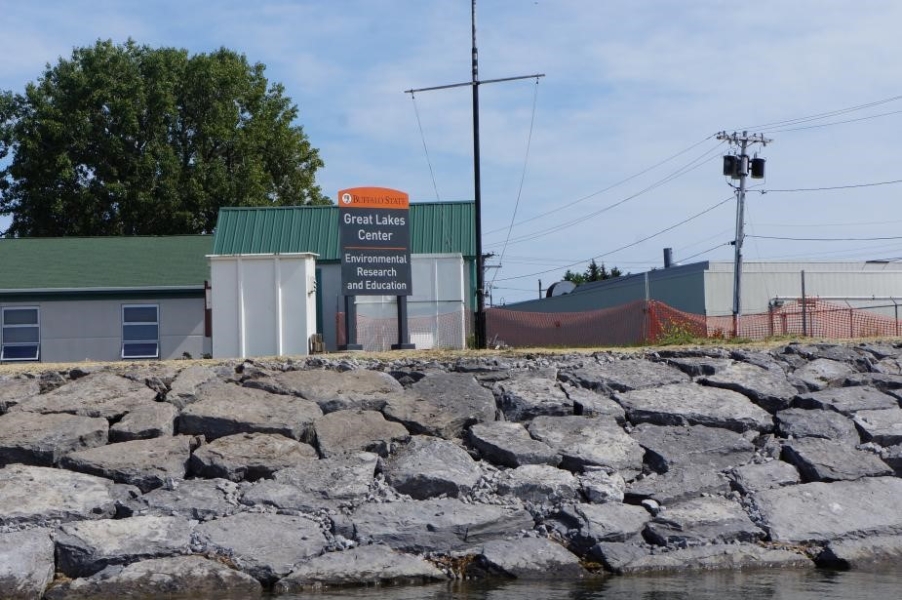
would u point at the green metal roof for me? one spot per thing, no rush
(435, 227)
(73, 263)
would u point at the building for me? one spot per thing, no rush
(442, 246)
(706, 288)
(103, 298)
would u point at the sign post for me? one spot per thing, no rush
(374, 232)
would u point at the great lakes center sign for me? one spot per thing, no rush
(374, 232)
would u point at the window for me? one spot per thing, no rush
(140, 331)
(20, 337)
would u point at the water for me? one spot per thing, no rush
(760, 585)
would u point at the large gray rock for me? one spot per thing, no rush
(428, 467)
(717, 557)
(539, 484)
(666, 447)
(249, 456)
(756, 477)
(351, 431)
(145, 422)
(823, 512)
(442, 405)
(859, 553)
(360, 566)
(590, 403)
(528, 395)
(197, 499)
(527, 558)
(700, 521)
(624, 375)
(357, 389)
(882, 427)
(768, 388)
(699, 366)
(826, 460)
(264, 545)
(585, 441)
(26, 564)
(691, 404)
(821, 373)
(682, 482)
(846, 400)
(599, 487)
(438, 525)
(147, 464)
(510, 445)
(184, 388)
(87, 547)
(590, 524)
(324, 483)
(823, 424)
(37, 495)
(180, 576)
(97, 395)
(15, 389)
(42, 439)
(224, 409)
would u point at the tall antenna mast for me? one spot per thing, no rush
(479, 317)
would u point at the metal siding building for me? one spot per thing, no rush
(81, 292)
(706, 288)
(437, 230)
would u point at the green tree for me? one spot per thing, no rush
(592, 273)
(127, 139)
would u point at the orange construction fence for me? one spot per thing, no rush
(649, 322)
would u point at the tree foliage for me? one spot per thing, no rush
(127, 139)
(592, 273)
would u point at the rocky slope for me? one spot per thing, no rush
(288, 475)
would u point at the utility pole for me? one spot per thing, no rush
(739, 167)
(479, 317)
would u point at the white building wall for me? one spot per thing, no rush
(263, 305)
(856, 284)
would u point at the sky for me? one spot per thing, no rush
(612, 155)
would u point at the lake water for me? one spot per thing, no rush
(759, 585)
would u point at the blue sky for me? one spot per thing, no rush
(578, 163)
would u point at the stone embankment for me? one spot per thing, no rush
(288, 475)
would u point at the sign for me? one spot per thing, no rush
(374, 232)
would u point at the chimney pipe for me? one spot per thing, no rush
(668, 257)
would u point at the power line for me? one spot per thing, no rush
(532, 121)
(610, 187)
(795, 239)
(844, 122)
(636, 243)
(700, 160)
(830, 188)
(823, 115)
(423, 137)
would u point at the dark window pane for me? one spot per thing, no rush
(28, 352)
(13, 335)
(139, 333)
(20, 316)
(140, 350)
(139, 314)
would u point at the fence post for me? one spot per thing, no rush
(804, 308)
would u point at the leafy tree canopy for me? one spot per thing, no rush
(592, 273)
(127, 140)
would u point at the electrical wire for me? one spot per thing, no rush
(830, 188)
(610, 187)
(423, 137)
(636, 243)
(823, 115)
(700, 160)
(532, 121)
(711, 249)
(795, 239)
(831, 124)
